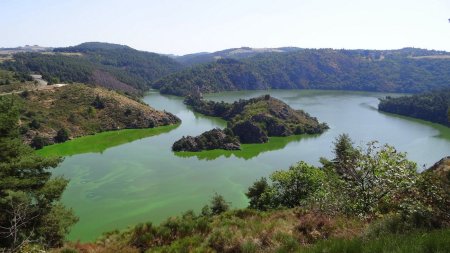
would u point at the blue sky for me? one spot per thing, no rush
(180, 27)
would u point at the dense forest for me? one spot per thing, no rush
(407, 70)
(110, 65)
(123, 68)
(233, 53)
(432, 106)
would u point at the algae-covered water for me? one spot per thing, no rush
(118, 179)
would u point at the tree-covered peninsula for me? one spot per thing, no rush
(249, 121)
(431, 106)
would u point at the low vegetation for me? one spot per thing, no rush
(54, 116)
(431, 106)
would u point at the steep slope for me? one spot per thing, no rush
(77, 110)
(113, 66)
(406, 70)
(442, 168)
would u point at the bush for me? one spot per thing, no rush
(34, 124)
(294, 186)
(62, 135)
(39, 142)
(261, 195)
(218, 204)
(98, 103)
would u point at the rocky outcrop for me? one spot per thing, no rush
(441, 169)
(213, 139)
(254, 120)
(249, 132)
(273, 126)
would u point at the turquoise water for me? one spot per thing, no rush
(143, 180)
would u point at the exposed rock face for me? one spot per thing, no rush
(249, 132)
(442, 169)
(213, 139)
(274, 127)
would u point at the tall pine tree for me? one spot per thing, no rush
(30, 210)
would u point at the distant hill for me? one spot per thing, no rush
(233, 53)
(406, 70)
(431, 106)
(27, 48)
(110, 65)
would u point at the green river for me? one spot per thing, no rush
(118, 179)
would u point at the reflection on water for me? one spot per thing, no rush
(98, 143)
(248, 151)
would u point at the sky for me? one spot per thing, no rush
(190, 26)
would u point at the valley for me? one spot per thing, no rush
(143, 180)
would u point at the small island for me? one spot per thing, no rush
(249, 121)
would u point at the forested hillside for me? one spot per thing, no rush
(233, 53)
(109, 65)
(431, 106)
(406, 70)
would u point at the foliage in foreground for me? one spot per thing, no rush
(364, 200)
(30, 210)
(364, 182)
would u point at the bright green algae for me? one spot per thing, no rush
(100, 142)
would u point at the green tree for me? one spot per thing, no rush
(345, 155)
(294, 186)
(376, 182)
(98, 103)
(218, 204)
(29, 197)
(62, 135)
(261, 195)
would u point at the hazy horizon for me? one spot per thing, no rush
(181, 27)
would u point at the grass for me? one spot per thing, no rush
(419, 242)
(100, 142)
(249, 231)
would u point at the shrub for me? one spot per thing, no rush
(62, 135)
(39, 142)
(218, 204)
(294, 186)
(98, 103)
(34, 124)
